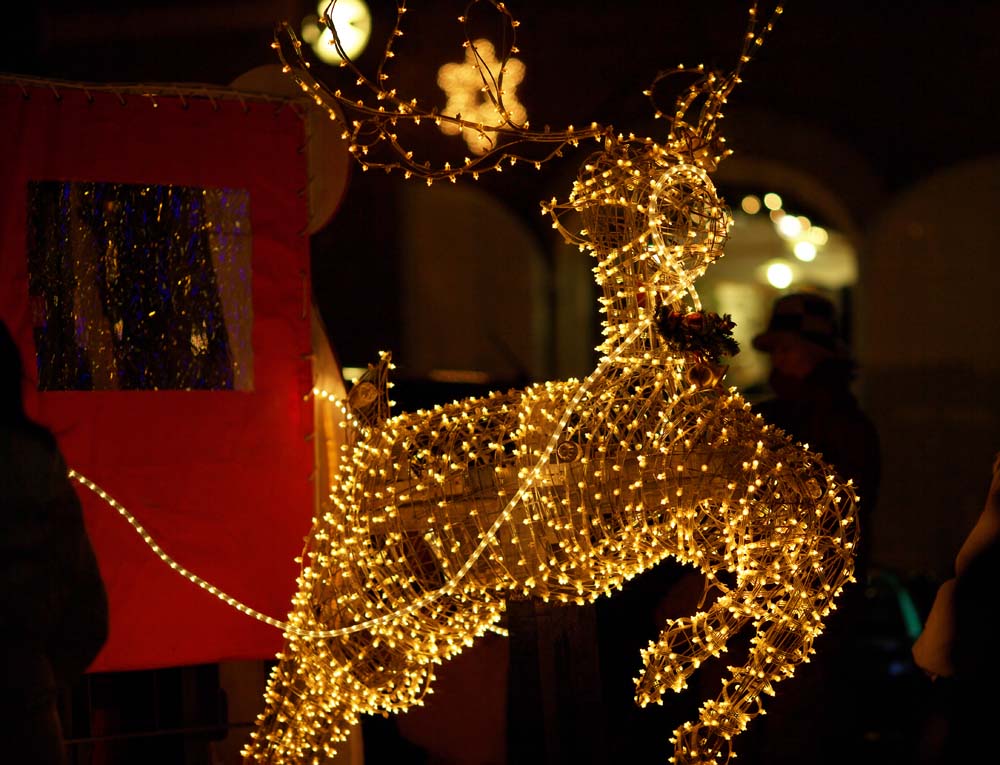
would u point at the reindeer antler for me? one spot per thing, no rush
(698, 140)
(374, 117)
(642, 200)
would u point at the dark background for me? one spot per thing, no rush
(910, 87)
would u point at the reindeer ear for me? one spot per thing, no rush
(368, 398)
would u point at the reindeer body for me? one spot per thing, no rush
(529, 514)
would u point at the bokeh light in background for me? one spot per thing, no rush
(750, 204)
(353, 23)
(779, 274)
(473, 97)
(805, 251)
(772, 250)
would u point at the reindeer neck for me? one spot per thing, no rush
(625, 312)
(626, 348)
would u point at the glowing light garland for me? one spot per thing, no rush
(292, 628)
(566, 489)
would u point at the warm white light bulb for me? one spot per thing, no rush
(805, 251)
(779, 275)
(353, 22)
(789, 226)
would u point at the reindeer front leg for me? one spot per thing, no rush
(683, 646)
(792, 562)
(780, 643)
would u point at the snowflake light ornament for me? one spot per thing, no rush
(470, 98)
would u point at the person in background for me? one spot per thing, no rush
(957, 646)
(54, 608)
(811, 375)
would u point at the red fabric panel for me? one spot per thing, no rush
(220, 479)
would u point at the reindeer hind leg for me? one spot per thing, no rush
(303, 720)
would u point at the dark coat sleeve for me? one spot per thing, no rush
(52, 593)
(81, 627)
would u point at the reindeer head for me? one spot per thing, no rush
(650, 211)
(652, 218)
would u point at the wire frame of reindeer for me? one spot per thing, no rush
(564, 490)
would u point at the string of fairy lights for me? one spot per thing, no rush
(290, 627)
(373, 128)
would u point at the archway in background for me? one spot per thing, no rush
(776, 246)
(929, 309)
(824, 185)
(474, 288)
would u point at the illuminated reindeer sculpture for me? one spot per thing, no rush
(564, 490)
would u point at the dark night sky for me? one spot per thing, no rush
(908, 85)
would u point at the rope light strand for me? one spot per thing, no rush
(162, 555)
(447, 588)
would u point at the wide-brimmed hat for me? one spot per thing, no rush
(806, 316)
